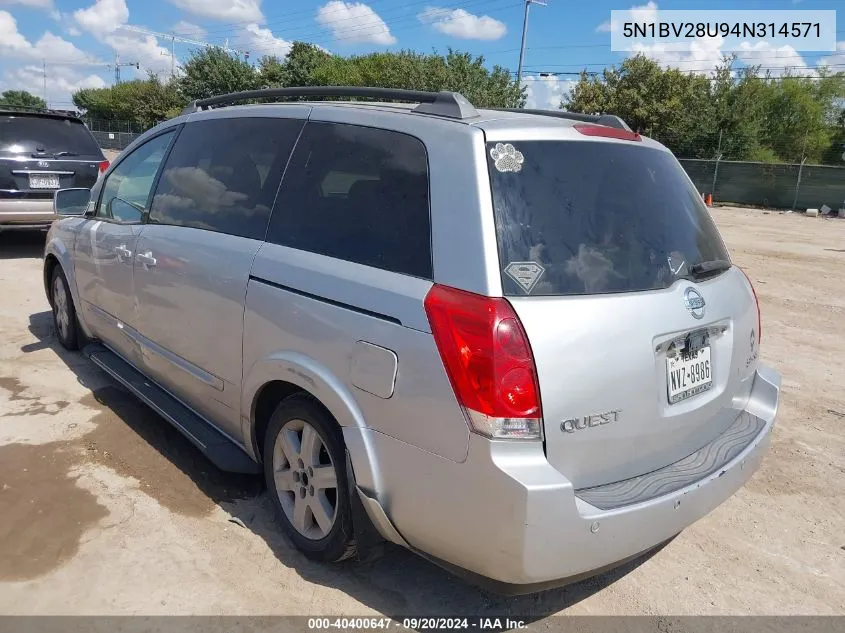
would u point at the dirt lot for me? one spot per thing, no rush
(105, 509)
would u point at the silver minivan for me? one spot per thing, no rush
(510, 341)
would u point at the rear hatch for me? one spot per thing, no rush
(643, 334)
(40, 153)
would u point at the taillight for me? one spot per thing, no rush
(488, 360)
(103, 165)
(757, 303)
(588, 129)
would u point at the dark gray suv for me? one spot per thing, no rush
(42, 151)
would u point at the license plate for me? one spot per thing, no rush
(43, 181)
(688, 374)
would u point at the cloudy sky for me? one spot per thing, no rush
(78, 41)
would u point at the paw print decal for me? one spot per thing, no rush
(507, 157)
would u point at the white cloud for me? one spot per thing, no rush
(102, 17)
(260, 41)
(73, 31)
(49, 47)
(62, 82)
(462, 24)
(188, 29)
(224, 10)
(35, 4)
(775, 59)
(645, 13)
(837, 60)
(104, 20)
(546, 93)
(354, 22)
(143, 49)
(701, 56)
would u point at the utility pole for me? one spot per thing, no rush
(528, 4)
(44, 71)
(118, 64)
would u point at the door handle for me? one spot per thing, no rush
(146, 259)
(123, 252)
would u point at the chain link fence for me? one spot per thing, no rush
(112, 134)
(775, 185)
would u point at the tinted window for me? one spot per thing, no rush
(223, 174)
(29, 134)
(127, 187)
(598, 217)
(358, 194)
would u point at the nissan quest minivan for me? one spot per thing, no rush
(512, 341)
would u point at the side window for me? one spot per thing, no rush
(359, 194)
(127, 188)
(223, 175)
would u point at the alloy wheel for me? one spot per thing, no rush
(305, 478)
(61, 307)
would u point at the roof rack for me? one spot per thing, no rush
(609, 120)
(36, 110)
(446, 104)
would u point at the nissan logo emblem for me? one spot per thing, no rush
(694, 303)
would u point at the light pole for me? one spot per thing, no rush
(528, 3)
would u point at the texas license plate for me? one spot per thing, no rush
(688, 374)
(43, 181)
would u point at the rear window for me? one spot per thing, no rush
(31, 134)
(583, 217)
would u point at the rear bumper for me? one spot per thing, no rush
(508, 516)
(26, 212)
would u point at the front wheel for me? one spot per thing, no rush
(304, 464)
(64, 313)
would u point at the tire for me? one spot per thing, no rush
(314, 509)
(64, 312)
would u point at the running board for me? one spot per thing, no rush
(222, 451)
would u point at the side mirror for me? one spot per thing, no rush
(71, 202)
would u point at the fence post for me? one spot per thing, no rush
(798, 183)
(715, 175)
(716, 168)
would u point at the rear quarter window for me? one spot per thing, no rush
(358, 194)
(582, 217)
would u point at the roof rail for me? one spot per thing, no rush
(446, 104)
(36, 110)
(609, 120)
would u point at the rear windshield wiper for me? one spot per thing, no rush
(57, 154)
(712, 267)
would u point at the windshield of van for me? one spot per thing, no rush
(580, 217)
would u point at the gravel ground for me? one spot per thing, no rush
(106, 509)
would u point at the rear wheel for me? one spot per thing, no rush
(304, 464)
(64, 313)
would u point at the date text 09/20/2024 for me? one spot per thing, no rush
(416, 624)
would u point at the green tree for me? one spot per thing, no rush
(144, 102)
(739, 115)
(455, 71)
(799, 113)
(213, 71)
(669, 105)
(21, 98)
